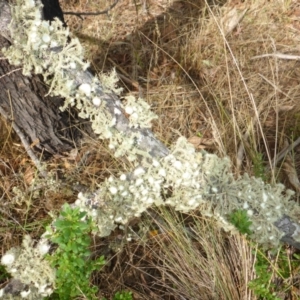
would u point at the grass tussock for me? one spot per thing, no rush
(218, 72)
(198, 259)
(179, 256)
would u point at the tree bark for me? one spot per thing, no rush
(147, 142)
(23, 100)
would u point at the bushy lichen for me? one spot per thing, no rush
(36, 187)
(184, 179)
(120, 199)
(110, 82)
(190, 180)
(28, 265)
(195, 179)
(43, 48)
(139, 112)
(50, 50)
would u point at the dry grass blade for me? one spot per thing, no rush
(277, 55)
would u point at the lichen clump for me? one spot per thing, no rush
(186, 180)
(183, 179)
(28, 265)
(139, 112)
(49, 49)
(43, 48)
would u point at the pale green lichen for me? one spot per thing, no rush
(28, 265)
(191, 180)
(38, 186)
(184, 179)
(140, 115)
(43, 48)
(110, 82)
(50, 50)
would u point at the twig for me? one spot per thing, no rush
(274, 86)
(25, 144)
(285, 151)
(126, 76)
(278, 55)
(79, 14)
(290, 170)
(12, 71)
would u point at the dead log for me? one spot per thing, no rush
(23, 101)
(146, 142)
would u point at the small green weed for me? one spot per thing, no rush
(258, 166)
(3, 273)
(269, 271)
(240, 220)
(123, 295)
(262, 285)
(72, 257)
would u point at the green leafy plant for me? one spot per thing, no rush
(3, 273)
(72, 258)
(279, 269)
(240, 220)
(262, 286)
(123, 295)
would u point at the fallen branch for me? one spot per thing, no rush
(96, 13)
(63, 67)
(285, 151)
(197, 180)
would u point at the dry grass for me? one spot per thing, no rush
(178, 256)
(198, 76)
(199, 80)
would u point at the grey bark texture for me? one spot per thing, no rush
(5, 18)
(23, 100)
(291, 229)
(44, 119)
